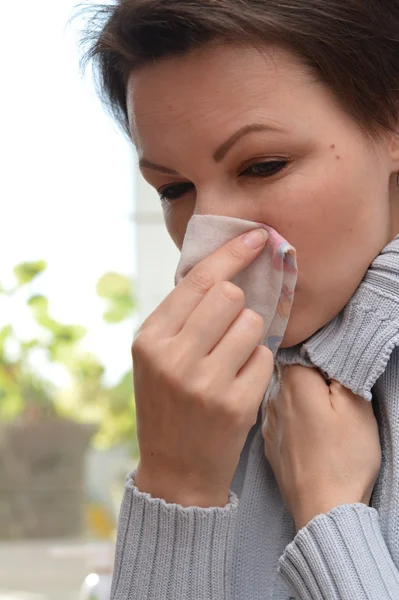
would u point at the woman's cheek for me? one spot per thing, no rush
(176, 220)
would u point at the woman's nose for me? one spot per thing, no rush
(221, 204)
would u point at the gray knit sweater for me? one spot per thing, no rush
(249, 549)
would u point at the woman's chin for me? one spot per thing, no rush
(298, 331)
(291, 340)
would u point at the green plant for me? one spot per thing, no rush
(24, 393)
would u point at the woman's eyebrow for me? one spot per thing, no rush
(228, 144)
(221, 151)
(143, 162)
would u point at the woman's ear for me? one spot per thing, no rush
(393, 149)
(393, 152)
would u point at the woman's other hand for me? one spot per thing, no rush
(322, 443)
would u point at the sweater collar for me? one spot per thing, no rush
(354, 348)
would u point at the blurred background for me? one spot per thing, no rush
(85, 258)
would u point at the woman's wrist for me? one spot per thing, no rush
(303, 516)
(174, 493)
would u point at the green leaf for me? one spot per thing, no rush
(68, 334)
(118, 290)
(27, 271)
(120, 310)
(26, 346)
(38, 302)
(40, 306)
(85, 367)
(5, 332)
(63, 334)
(114, 285)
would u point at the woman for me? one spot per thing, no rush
(283, 113)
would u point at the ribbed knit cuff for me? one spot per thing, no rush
(188, 547)
(341, 555)
(355, 347)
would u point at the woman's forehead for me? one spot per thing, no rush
(230, 84)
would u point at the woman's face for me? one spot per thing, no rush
(247, 133)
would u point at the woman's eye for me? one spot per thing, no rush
(261, 169)
(266, 168)
(175, 191)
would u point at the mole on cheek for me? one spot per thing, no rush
(333, 148)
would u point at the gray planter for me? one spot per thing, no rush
(42, 478)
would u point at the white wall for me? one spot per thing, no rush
(156, 254)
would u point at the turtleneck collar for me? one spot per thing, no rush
(355, 347)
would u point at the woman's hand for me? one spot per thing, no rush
(200, 373)
(322, 443)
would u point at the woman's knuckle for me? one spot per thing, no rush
(141, 345)
(195, 380)
(232, 292)
(251, 315)
(207, 382)
(235, 252)
(200, 280)
(204, 388)
(171, 366)
(254, 318)
(171, 376)
(234, 407)
(266, 355)
(233, 412)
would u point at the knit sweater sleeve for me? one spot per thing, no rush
(170, 552)
(352, 552)
(341, 555)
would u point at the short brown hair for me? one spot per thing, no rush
(351, 45)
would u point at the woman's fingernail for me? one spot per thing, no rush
(256, 238)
